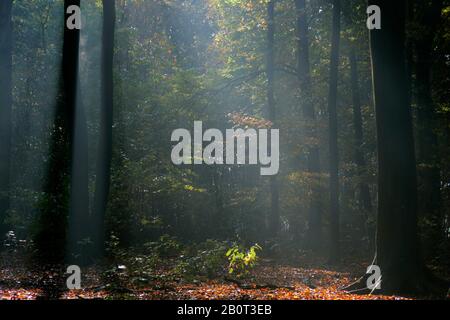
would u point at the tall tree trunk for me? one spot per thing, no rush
(409, 48)
(429, 14)
(314, 232)
(397, 242)
(79, 215)
(364, 200)
(5, 108)
(218, 221)
(333, 134)
(102, 184)
(51, 236)
(79, 188)
(274, 218)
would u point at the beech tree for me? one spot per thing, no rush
(274, 218)
(51, 235)
(314, 233)
(398, 253)
(5, 109)
(106, 121)
(333, 133)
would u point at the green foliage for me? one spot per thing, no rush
(166, 246)
(241, 261)
(205, 259)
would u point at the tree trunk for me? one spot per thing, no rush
(79, 188)
(218, 221)
(102, 184)
(333, 134)
(409, 48)
(314, 232)
(79, 215)
(397, 242)
(364, 200)
(429, 15)
(274, 218)
(5, 109)
(51, 236)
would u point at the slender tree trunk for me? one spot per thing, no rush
(429, 173)
(5, 109)
(79, 215)
(102, 184)
(333, 134)
(51, 236)
(364, 200)
(274, 218)
(218, 219)
(397, 242)
(79, 188)
(314, 232)
(409, 49)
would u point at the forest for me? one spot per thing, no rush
(224, 149)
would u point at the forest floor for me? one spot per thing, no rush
(308, 280)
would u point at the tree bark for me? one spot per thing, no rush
(314, 231)
(274, 218)
(333, 134)
(397, 242)
(218, 221)
(52, 234)
(79, 215)
(5, 109)
(409, 49)
(102, 184)
(79, 188)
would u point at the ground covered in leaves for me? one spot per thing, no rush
(306, 280)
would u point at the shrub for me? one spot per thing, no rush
(241, 261)
(205, 259)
